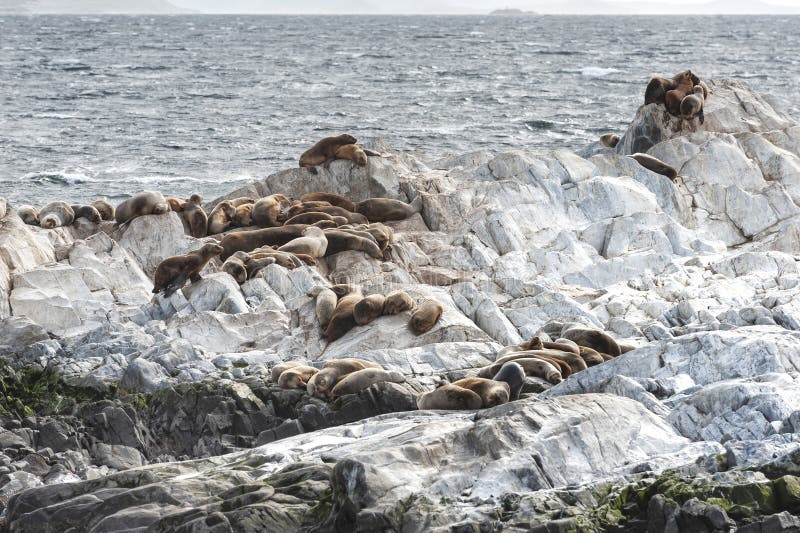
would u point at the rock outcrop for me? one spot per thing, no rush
(107, 387)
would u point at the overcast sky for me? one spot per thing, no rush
(481, 6)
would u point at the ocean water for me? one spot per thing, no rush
(107, 106)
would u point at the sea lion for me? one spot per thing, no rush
(610, 140)
(397, 302)
(343, 289)
(235, 266)
(369, 309)
(332, 371)
(278, 369)
(105, 209)
(575, 362)
(657, 89)
(325, 307)
(492, 392)
(173, 272)
(534, 343)
(267, 211)
(540, 368)
(426, 316)
(325, 224)
(703, 86)
(387, 209)
(450, 397)
(304, 207)
(565, 345)
(593, 338)
(626, 347)
(56, 214)
(141, 204)
(342, 320)
(592, 357)
(332, 199)
(296, 377)
(514, 375)
(352, 152)
(383, 234)
(28, 214)
(242, 200)
(247, 241)
(88, 212)
(195, 216)
(263, 259)
(175, 204)
(692, 105)
(336, 211)
(339, 241)
(683, 87)
(655, 165)
(359, 380)
(313, 243)
(221, 217)
(310, 217)
(324, 150)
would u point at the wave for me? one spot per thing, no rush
(57, 177)
(597, 72)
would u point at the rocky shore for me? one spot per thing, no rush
(122, 411)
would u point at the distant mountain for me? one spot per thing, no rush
(622, 7)
(89, 7)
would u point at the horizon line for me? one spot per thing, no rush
(520, 15)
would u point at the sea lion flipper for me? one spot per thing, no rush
(371, 153)
(701, 116)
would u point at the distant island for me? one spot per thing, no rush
(90, 7)
(510, 11)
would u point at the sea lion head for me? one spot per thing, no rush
(49, 222)
(498, 396)
(211, 249)
(196, 199)
(160, 208)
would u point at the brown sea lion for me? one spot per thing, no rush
(339, 241)
(312, 243)
(220, 217)
(243, 216)
(387, 209)
(359, 380)
(492, 392)
(332, 371)
(105, 208)
(309, 217)
(175, 204)
(88, 212)
(332, 199)
(335, 211)
(247, 241)
(342, 320)
(368, 309)
(324, 150)
(242, 200)
(396, 302)
(195, 216)
(296, 377)
(536, 367)
(514, 375)
(593, 338)
(534, 343)
(325, 224)
(657, 89)
(173, 272)
(383, 234)
(278, 369)
(683, 87)
(235, 266)
(304, 207)
(450, 398)
(610, 140)
(655, 165)
(575, 362)
(141, 204)
(325, 306)
(267, 211)
(692, 105)
(592, 357)
(352, 152)
(565, 345)
(28, 214)
(262, 259)
(426, 316)
(55, 215)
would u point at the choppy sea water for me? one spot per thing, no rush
(106, 106)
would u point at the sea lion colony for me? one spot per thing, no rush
(249, 234)
(683, 96)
